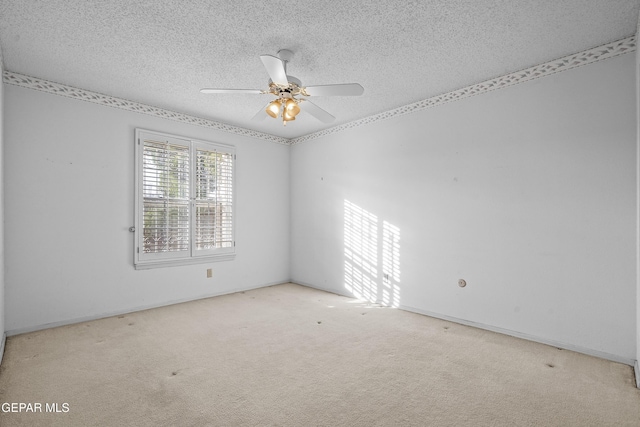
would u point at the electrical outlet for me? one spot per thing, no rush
(209, 272)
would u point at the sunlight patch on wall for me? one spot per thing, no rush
(361, 251)
(369, 248)
(390, 264)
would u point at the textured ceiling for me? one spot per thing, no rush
(161, 52)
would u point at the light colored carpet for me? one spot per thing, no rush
(288, 355)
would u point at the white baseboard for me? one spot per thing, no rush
(524, 336)
(331, 291)
(2, 343)
(72, 321)
(636, 369)
(558, 344)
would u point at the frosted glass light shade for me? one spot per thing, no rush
(273, 109)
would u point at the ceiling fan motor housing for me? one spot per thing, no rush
(290, 91)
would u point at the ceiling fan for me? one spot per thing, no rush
(291, 96)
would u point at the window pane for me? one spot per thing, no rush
(166, 226)
(224, 195)
(165, 188)
(214, 197)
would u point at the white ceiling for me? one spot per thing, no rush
(161, 52)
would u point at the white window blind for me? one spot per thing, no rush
(214, 200)
(165, 208)
(184, 200)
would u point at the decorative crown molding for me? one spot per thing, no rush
(569, 62)
(110, 101)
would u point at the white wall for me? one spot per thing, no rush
(69, 203)
(2, 309)
(528, 193)
(637, 365)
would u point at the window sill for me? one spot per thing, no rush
(147, 265)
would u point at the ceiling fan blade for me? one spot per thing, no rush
(346, 89)
(316, 111)
(275, 68)
(260, 115)
(211, 90)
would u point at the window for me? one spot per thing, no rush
(184, 200)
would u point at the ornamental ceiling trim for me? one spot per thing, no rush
(110, 101)
(569, 62)
(606, 51)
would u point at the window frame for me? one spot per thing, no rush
(191, 256)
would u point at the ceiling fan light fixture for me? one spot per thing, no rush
(291, 108)
(289, 91)
(273, 109)
(287, 117)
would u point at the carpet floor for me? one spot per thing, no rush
(289, 355)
